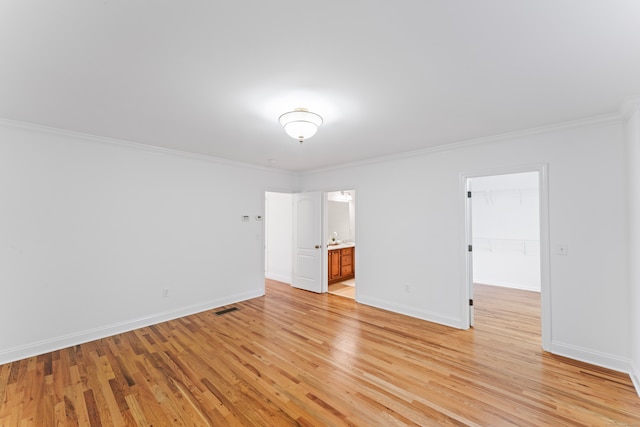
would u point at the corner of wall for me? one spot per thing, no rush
(631, 112)
(429, 316)
(635, 378)
(60, 342)
(586, 355)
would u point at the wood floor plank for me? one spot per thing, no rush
(295, 358)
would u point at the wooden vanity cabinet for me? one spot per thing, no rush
(341, 264)
(334, 264)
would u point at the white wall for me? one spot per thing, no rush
(417, 239)
(633, 137)
(279, 237)
(506, 230)
(91, 232)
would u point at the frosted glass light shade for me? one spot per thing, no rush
(300, 123)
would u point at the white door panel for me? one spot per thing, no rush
(307, 238)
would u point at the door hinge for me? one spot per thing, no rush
(470, 248)
(470, 303)
(469, 194)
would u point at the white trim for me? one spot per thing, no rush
(586, 355)
(635, 377)
(324, 231)
(508, 285)
(136, 145)
(545, 278)
(429, 316)
(468, 240)
(592, 121)
(279, 278)
(625, 110)
(80, 337)
(628, 107)
(545, 256)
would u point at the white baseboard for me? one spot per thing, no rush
(279, 278)
(410, 311)
(635, 377)
(48, 345)
(508, 285)
(593, 357)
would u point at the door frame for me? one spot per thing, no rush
(325, 227)
(545, 281)
(325, 255)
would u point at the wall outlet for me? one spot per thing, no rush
(165, 292)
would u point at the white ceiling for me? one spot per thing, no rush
(212, 77)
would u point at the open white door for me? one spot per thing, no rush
(469, 239)
(307, 240)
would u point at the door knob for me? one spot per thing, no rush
(317, 246)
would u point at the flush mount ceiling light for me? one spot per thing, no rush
(300, 123)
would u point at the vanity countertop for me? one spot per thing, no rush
(340, 246)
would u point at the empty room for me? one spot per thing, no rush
(170, 175)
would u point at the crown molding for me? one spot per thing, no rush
(628, 107)
(135, 145)
(586, 122)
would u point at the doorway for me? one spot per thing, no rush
(506, 236)
(341, 243)
(294, 252)
(285, 261)
(278, 237)
(506, 231)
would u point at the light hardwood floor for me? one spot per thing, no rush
(344, 289)
(297, 358)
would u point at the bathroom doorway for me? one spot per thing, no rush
(341, 243)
